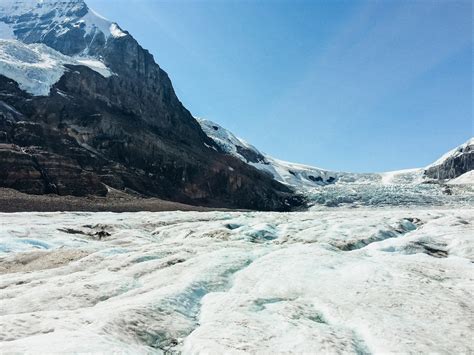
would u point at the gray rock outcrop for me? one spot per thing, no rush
(458, 162)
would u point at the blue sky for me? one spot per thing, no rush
(345, 85)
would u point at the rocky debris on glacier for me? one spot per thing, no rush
(351, 281)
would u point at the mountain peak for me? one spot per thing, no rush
(68, 26)
(42, 8)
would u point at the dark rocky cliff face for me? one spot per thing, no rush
(457, 164)
(128, 131)
(75, 141)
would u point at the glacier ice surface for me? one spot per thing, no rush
(336, 281)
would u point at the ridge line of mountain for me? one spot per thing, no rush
(126, 130)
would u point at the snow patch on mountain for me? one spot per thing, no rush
(115, 31)
(6, 31)
(464, 179)
(95, 21)
(95, 65)
(36, 67)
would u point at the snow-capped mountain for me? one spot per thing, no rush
(68, 26)
(306, 177)
(290, 173)
(83, 107)
(44, 35)
(77, 91)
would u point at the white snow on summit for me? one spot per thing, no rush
(36, 67)
(29, 29)
(59, 13)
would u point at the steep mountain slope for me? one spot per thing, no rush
(296, 175)
(83, 105)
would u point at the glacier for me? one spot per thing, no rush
(306, 178)
(37, 67)
(362, 281)
(324, 188)
(379, 263)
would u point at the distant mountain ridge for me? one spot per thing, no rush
(84, 107)
(450, 166)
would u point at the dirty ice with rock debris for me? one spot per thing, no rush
(340, 280)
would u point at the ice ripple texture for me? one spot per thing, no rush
(336, 281)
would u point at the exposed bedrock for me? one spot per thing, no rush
(128, 131)
(455, 165)
(87, 133)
